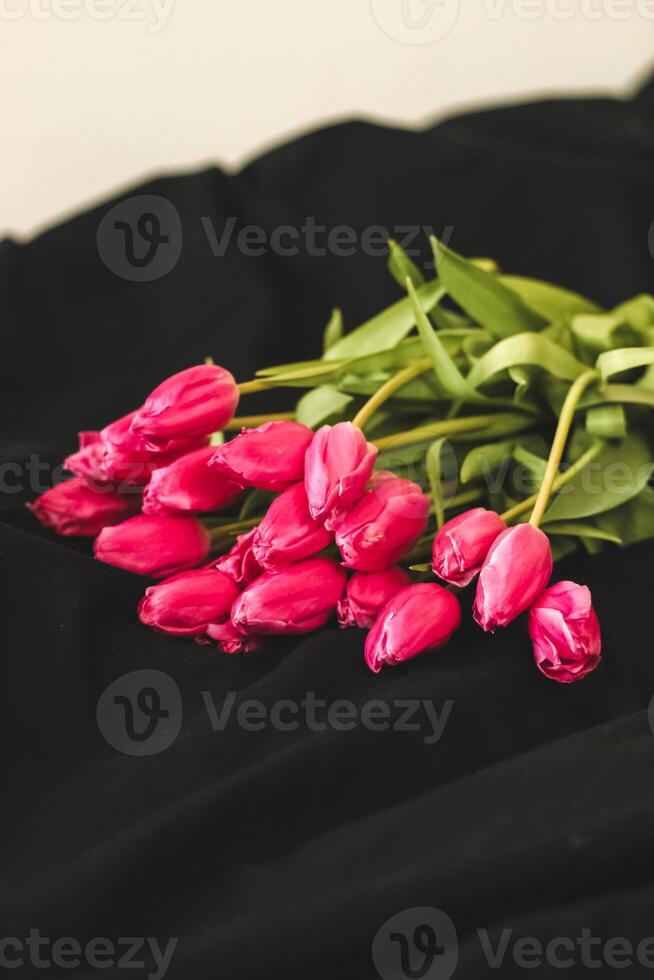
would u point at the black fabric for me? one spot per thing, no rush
(281, 854)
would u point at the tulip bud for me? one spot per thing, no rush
(154, 546)
(75, 508)
(462, 544)
(126, 458)
(188, 405)
(565, 632)
(187, 604)
(188, 484)
(383, 525)
(230, 640)
(417, 620)
(366, 595)
(240, 563)
(87, 462)
(338, 465)
(288, 533)
(297, 600)
(270, 457)
(517, 569)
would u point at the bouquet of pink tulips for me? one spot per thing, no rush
(519, 397)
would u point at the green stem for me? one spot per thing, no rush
(445, 428)
(230, 530)
(247, 387)
(570, 473)
(466, 497)
(252, 421)
(558, 446)
(388, 389)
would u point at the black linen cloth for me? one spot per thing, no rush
(282, 853)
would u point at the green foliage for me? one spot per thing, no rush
(509, 347)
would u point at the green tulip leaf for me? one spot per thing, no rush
(638, 313)
(386, 329)
(435, 476)
(633, 521)
(577, 529)
(533, 464)
(483, 296)
(401, 267)
(607, 421)
(486, 265)
(449, 378)
(526, 349)
(624, 359)
(623, 394)
(424, 392)
(551, 302)
(596, 333)
(322, 405)
(310, 368)
(618, 473)
(333, 330)
(485, 460)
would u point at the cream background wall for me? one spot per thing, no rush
(95, 94)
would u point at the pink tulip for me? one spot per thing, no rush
(270, 457)
(88, 462)
(288, 533)
(383, 525)
(297, 600)
(74, 508)
(188, 484)
(338, 465)
(461, 545)
(187, 604)
(189, 405)
(127, 458)
(154, 546)
(565, 632)
(230, 640)
(417, 620)
(240, 563)
(517, 569)
(366, 595)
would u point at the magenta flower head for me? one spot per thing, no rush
(230, 640)
(383, 525)
(240, 563)
(270, 457)
(297, 600)
(188, 484)
(366, 595)
(338, 465)
(188, 405)
(288, 532)
(87, 462)
(517, 569)
(154, 546)
(565, 632)
(187, 604)
(125, 456)
(75, 508)
(417, 620)
(462, 544)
